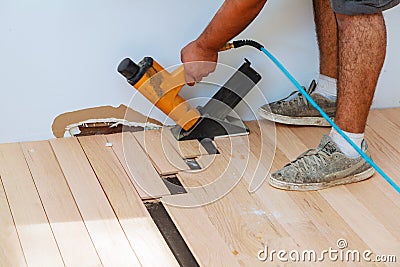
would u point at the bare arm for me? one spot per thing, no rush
(230, 20)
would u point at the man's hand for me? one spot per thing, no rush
(198, 62)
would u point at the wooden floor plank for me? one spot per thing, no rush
(71, 234)
(254, 167)
(106, 232)
(363, 222)
(289, 143)
(36, 236)
(205, 161)
(207, 246)
(262, 141)
(385, 157)
(387, 140)
(391, 114)
(138, 166)
(187, 149)
(131, 212)
(386, 128)
(164, 157)
(11, 253)
(381, 207)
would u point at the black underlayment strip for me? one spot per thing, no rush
(174, 185)
(171, 234)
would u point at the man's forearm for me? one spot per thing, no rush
(230, 20)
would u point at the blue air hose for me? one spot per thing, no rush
(239, 43)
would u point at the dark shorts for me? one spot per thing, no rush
(358, 7)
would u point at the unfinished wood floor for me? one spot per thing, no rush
(80, 201)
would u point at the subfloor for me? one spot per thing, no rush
(87, 201)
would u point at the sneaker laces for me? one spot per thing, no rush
(300, 99)
(310, 160)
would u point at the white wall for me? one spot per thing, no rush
(59, 56)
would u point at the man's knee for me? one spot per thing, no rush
(359, 7)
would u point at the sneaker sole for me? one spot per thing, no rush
(318, 186)
(305, 121)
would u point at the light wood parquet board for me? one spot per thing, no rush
(202, 237)
(164, 156)
(11, 253)
(138, 166)
(187, 149)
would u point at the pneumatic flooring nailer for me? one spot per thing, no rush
(212, 120)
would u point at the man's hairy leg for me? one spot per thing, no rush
(327, 36)
(362, 51)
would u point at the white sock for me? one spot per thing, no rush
(327, 87)
(344, 146)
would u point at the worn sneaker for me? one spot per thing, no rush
(298, 111)
(322, 167)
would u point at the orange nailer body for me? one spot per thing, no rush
(161, 88)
